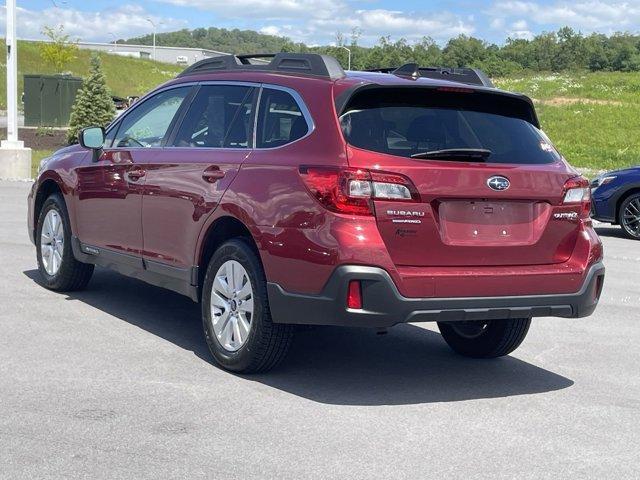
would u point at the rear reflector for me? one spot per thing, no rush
(354, 295)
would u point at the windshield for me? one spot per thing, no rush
(407, 130)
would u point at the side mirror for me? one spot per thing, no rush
(92, 137)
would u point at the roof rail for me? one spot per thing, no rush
(470, 76)
(296, 63)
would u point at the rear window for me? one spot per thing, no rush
(428, 120)
(280, 120)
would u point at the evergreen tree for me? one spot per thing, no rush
(93, 105)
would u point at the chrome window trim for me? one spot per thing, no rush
(261, 86)
(306, 114)
(118, 121)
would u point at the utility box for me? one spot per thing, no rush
(48, 99)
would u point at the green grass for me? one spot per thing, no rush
(125, 75)
(593, 118)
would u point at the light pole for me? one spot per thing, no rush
(15, 160)
(12, 75)
(154, 35)
(115, 41)
(349, 58)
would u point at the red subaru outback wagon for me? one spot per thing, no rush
(289, 192)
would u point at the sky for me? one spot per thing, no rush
(316, 22)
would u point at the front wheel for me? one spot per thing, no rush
(235, 312)
(485, 339)
(58, 268)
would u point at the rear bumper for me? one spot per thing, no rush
(384, 306)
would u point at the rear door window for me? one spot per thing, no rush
(280, 119)
(407, 128)
(219, 117)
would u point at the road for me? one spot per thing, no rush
(116, 382)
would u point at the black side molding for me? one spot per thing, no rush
(180, 280)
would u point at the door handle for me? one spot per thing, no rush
(212, 175)
(136, 174)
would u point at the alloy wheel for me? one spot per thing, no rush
(631, 218)
(232, 305)
(52, 242)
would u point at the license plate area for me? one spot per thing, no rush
(488, 223)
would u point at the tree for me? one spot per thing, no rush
(93, 105)
(427, 53)
(571, 50)
(59, 50)
(464, 51)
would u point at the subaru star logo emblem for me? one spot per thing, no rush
(498, 183)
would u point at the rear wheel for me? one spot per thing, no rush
(58, 267)
(235, 312)
(629, 216)
(485, 339)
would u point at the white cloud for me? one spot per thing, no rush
(374, 24)
(123, 22)
(399, 23)
(520, 30)
(497, 23)
(520, 25)
(271, 30)
(265, 9)
(587, 16)
(319, 20)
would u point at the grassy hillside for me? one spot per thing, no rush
(593, 118)
(125, 75)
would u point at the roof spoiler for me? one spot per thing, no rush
(283, 63)
(469, 76)
(522, 106)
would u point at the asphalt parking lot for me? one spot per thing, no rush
(116, 382)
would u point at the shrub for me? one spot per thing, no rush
(93, 105)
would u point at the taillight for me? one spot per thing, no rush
(354, 295)
(577, 191)
(351, 190)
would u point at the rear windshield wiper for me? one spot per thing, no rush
(465, 154)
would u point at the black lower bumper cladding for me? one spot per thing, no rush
(384, 306)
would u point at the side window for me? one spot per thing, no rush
(147, 125)
(280, 119)
(219, 117)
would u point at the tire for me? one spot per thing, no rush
(266, 343)
(629, 216)
(69, 274)
(489, 339)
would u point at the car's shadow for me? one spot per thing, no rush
(345, 366)
(610, 231)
